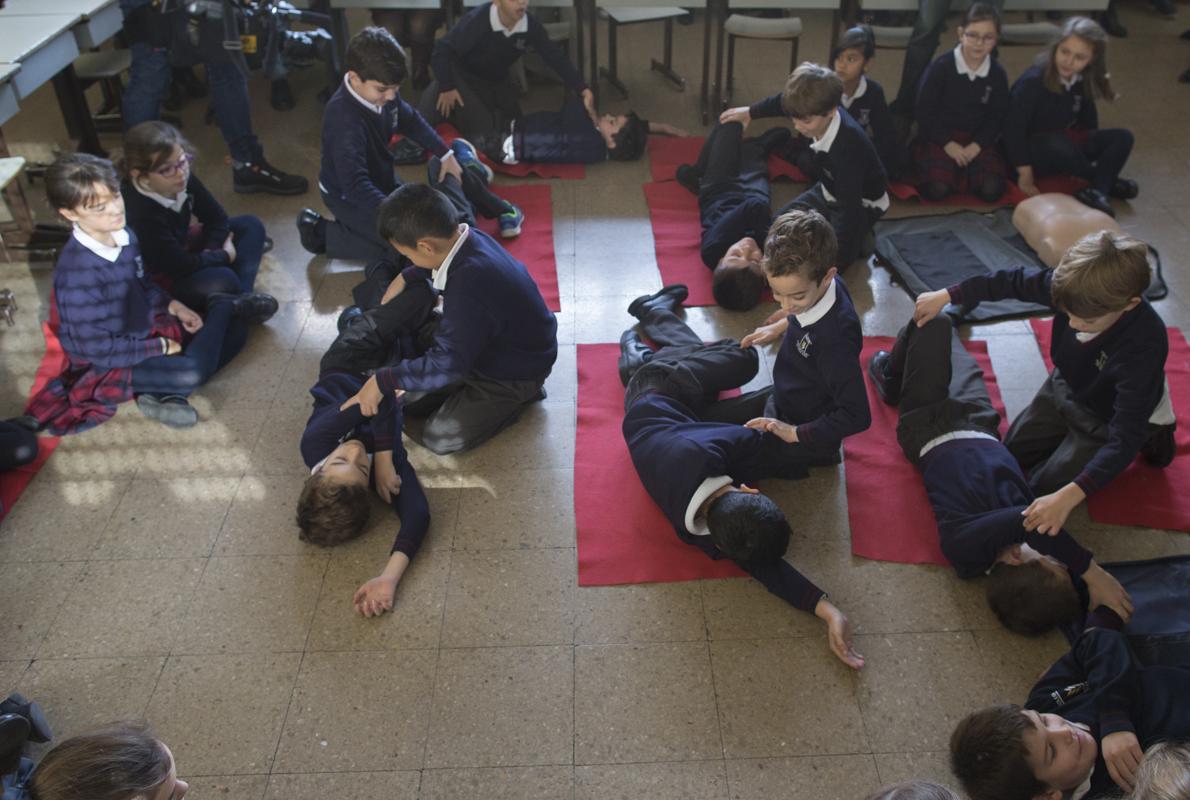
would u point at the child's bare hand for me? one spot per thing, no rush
(1048, 514)
(838, 633)
(229, 247)
(388, 482)
(367, 398)
(1104, 590)
(930, 305)
(448, 100)
(1122, 754)
(972, 151)
(394, 288)
(956, 153)
(449, 165)
(782, 430)
(375, 597)
(739, 114)
(765, 334)
(589, 102)
(172, 347)
(191, 321)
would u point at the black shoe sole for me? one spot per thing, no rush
(678, 294)
(252, 189)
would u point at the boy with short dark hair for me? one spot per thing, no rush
(949, 430)
(699, 472)
(496, 343)
(358, 126)
(818, 396)
(732, 184)
(1082, 732)
(1107, 398)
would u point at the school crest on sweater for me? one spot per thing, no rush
(803, 345)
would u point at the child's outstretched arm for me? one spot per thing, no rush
(838, 633)
(665, 129)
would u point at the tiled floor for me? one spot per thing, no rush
(158, 574)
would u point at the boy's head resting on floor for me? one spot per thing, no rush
(747, 526)
(1007, 753)
(1079, 49)
(1164, 773)
(121, 762)
(1103, 276)
(85, 190)
(420, 223)
(624, 134)
(811, 98)
(333, 506)
(1030, 593)
(852, 52)
(799, 259)
(738, 278)
(157, 158)
(914, 790)
(375, 64)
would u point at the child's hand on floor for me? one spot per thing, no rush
(1122, 754)
(930, 305)
(838, 633)
(367, 398)
(740, 114)
(375, 597)
(388, 482)
(191, 321)
(1104, 590)
(782, 430)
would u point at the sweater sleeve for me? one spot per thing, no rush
(768, 107)
(411, 123)
(973, 547)
(928, 109)
(1026, 95)
(779, 577)
(458, 41)
(460, 338)
(324, 430)
(993, 119)
(208, 210)
(1024, 283)
(844, 381)
(539, 40)
(350, 161)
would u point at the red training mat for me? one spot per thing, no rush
(677, 232)
(887, 506)
(666, 153)
(535, 246)
(1144, 495)
(541, 170)
(1063, 184)
(622, 535)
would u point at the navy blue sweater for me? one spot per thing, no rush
(106, 308)
(818, 385)
(357, 166)
(473, 45)
(730, 216)
(948, 102)
(977, 491)
(1119, 695)
(851, 172)
(328, 427)
(163, 232)
(559, 137)
(1035, 109)
(1119, 375)
(674, 452)
(494, 322)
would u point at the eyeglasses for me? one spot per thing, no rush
(176, 168)
(975, 38)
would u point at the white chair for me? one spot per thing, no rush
(739, 26)
(617, 16)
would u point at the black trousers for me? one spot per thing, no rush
(851, 231)
(1099, 159)
(488, 105)
(728, 162)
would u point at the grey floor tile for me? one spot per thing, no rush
(226, 787)
(1016, 662)
(654, 612)
(932, 766)
(260, 519)
(314, 786)
(676, 780)
(173, 518)
(220, 445)
(58, 520)
(254, 380)
(31, 596)
(10, 674)
(514, 511)
(278, 453)
(387, 692)
(506, 783)
(824, 777)
(741, 608)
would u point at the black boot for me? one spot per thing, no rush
(1095, 199)
(254, 307)
(39, 728)
(670, 299)
(888, 389)
(633, 355)
(688, 178)
(1124, 189)
(312, 231)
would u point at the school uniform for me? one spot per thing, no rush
(1058, 132)
(852, 187)
(328, 427)
(949, 430)
(818, 386)
(958, 104)
(567, 136)
(1106, 395)
(474, 58)
(191, 262)
(1100, 687)
(493, 349)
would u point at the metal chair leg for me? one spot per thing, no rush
(727, 82)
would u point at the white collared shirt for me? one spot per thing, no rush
(695, 524)
(823, 144)
(370, 106)
(106, 252)
(950, 437)
(848, 99)
(819, 309)
(175, 205)
(960, 64)
(1069, 84)
(440, 274)
(522, 24)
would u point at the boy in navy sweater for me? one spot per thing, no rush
(948, 429)
(1107, 399)
(817, 397)
(1083, 730)
(699, 472)
(473, 88)
(358, 126)
(496, 343)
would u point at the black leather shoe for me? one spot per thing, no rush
(262, 176)
(670, 299)
(32, 425)
(14, 732)
(312, 231)
(1124, 189)
(688, 178)
(633, 354)
(1095, 199)
(254, 307)
(39, 728)
(347, 315)
(889, 392)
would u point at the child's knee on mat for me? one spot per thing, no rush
(934, 190)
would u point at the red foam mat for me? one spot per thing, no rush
(1063, 184)
(541, 170)
(887, 506)
(666, 153)
(535, 246)
(1144, 495)
(622, 535)
(673, 213)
